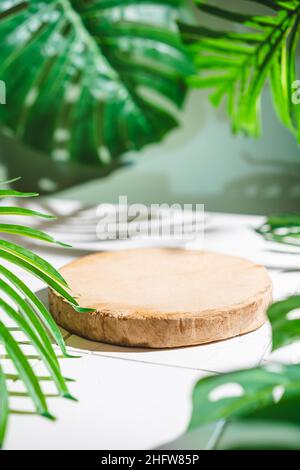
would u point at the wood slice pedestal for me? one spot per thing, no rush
(163, 298)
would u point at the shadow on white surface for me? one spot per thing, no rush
(242, 351)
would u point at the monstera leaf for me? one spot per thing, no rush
(282, 228)
(84, 78)
(262, 393)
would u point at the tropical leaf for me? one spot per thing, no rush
(258, 408)
(90, 75)
(25, 370)
(24, 212)
(239, 60)
(283, 315)
(29, 232)
(38, 306)
(29, 316)
(32, 320)
(47, 354)
(52, 282)
(3, 406)
(283, 228)
(285, 321)
(12, 193)
(241, 434)
(42, 346)
(30, 257)
(244, 434)
(269, 392)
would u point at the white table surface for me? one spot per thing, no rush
(137, 398)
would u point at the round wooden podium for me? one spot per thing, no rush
(163, 298)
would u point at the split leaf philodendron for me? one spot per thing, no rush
(284, 228)
(247, 393)
(256, 408)
(90, 75)
(98, 78)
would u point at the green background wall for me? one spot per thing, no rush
(201, 162)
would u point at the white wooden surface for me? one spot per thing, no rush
(140, 399)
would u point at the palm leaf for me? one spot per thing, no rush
(29, 315)
(3, 406)
(29, 232)
(239, 62)
(39, 308)
(33, 259)
(12, 180)
(12, 193)
(29, 266)
(48, 355)
(25, 370)
(24, 212)
(90, 75)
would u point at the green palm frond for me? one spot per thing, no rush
(249, 51)
(22, 307)
(3, 405)
(96, 78)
